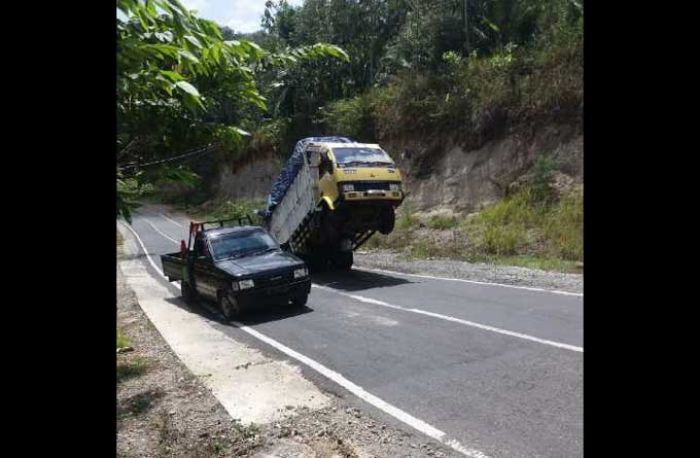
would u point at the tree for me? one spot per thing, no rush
(180, 84)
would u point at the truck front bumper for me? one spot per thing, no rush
(353, 196)
(274, 294)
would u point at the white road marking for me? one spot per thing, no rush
(158, 231)
(529, 288)
(369, 300)
(171, 220)
(360, 392)
(143, 247)
(357, 390)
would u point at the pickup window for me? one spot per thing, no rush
(242, 243)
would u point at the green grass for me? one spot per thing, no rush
(130, 368)
(442, 222)
(405, 218)
(535, 262)
(122, 341)
(524, 229)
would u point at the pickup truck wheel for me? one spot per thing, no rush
(188, 294)
(300, 301)
(229, 306)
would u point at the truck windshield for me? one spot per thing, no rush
(242, 243)
(362, 157)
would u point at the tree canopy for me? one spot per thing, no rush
(182, 85)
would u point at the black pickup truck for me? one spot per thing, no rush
(237, 266)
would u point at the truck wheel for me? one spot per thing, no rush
(300, 301)
(188, 294)
(343, 260)
(317, 262)
(386, 222)
(229, 306)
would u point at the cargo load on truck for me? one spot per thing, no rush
(331, 198)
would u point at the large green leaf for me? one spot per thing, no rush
(172, 76)
(188, 88)
(188, 55)
(194, 41)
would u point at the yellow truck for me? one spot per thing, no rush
(341, 194)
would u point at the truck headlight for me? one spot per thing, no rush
(348, 187)
(394, 187)
(299, 273)
(245, 284)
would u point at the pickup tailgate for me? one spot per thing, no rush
(173, 266)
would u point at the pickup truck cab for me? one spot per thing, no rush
(239, 267)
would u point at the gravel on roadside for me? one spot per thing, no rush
(510, 275)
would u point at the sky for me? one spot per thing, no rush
(241, 15)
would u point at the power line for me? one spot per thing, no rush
(182, 157)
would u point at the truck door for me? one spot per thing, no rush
(327, 183)
(203, 272)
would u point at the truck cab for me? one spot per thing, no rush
(331, 196)
(358, 180)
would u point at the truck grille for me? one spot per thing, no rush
(367, 185)
(273, 280)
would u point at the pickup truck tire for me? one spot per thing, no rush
(188, 294)
(229, 306)
(300, 301)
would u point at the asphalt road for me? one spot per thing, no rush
(498, 369)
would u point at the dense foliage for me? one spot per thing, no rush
(423, 67)
(181, 85)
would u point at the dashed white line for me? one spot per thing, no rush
(338, 378)
(529, 288)
(369, 300)
(361, 393)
